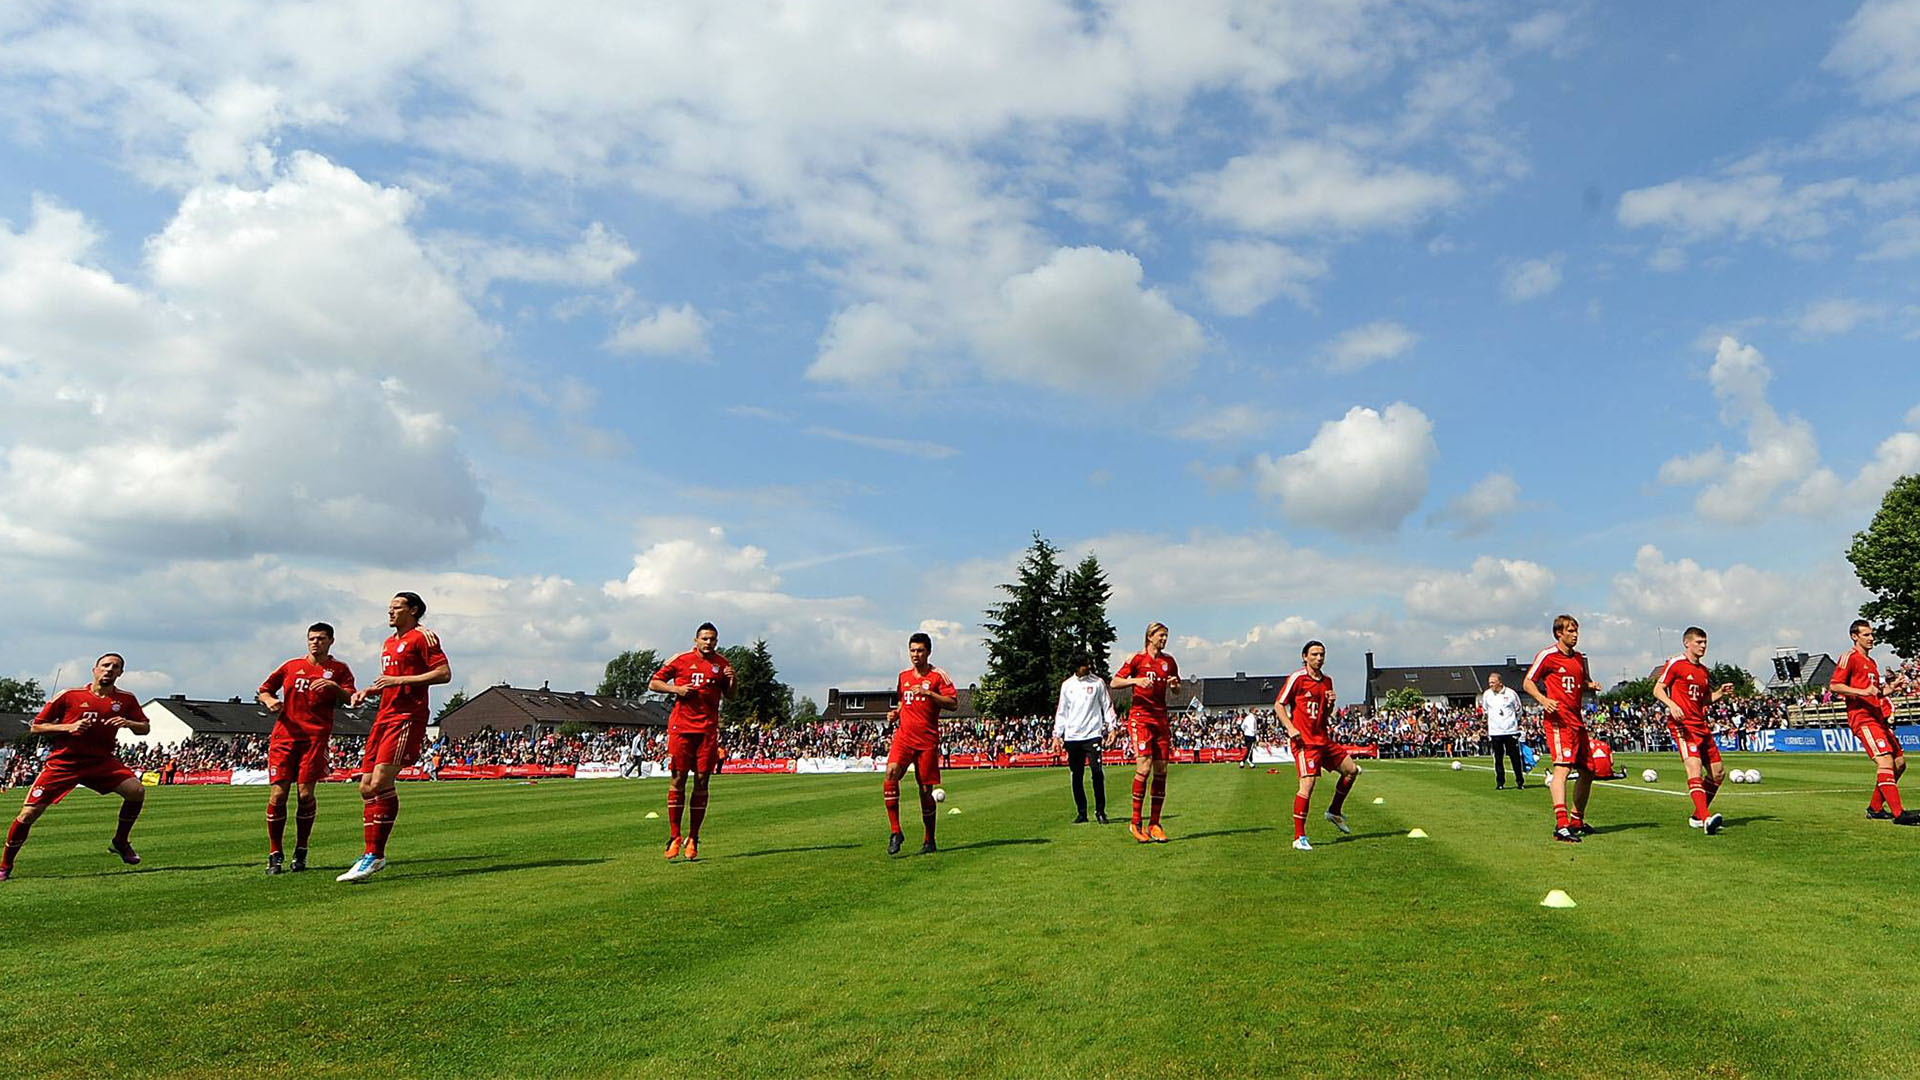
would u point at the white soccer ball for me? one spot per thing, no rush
(1457, 766)
(1737, 776)
(939, 794)
(1753, 776)
(1650, 776)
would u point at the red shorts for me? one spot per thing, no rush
(1876, 738)
(292, 759)
(1694, 744)
(693, 751)
(1310, 760)
(1152, 738)
(1567, 744)
(925, 759)
(394, 742)
(58, 778)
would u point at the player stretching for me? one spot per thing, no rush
(300, 694)
(1682, 688)
(1870, 715)
(1562, 672)
(1152, 674)
(83, 724)
(1303, 706)
(698, 680)
(924, 690)
(410, 662)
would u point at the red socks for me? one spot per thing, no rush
(1159, 796)
(276, 826)
(377, 816)
(1139, 795)
(676, 799)
(1887, 790)
(1299, 816)
(16, 836)
(1560, 814)
(129, 813)
(1697, 791)
(1340, 794)
(303, 822)
(698, 803)
(926, 811)
(891, 790)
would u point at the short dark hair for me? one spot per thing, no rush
(920, 638)
(325, 628)
(413, 600)
(115, 655)
(1082, 660)
(1308, 647)
(704, 627)
(1693, 632)
(1858, 625)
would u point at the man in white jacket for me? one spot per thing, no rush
(1502, 708)
(1083, 723)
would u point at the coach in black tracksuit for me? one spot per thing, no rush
(1083, 724)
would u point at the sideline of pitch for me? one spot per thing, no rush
(1621, 785)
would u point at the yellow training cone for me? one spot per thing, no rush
(1417, 834)
(953, 811)
(1379, 801)
(1559, 899)
(651, 814)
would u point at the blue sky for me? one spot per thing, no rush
(1402, 325)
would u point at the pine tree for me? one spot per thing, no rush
(759, 697)
(1084, 628)
(1025, 648)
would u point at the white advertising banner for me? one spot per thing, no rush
(1272, 754)
(248, 777)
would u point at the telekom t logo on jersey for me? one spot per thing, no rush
(1569, 683)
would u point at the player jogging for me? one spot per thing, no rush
(300, 694)
(410, 662)
(924, 690)
(1683, 688)
(698, 681)
(1152, 674)
(1556, 680)
(1870, 715)
(1304, 705)
(83, 724)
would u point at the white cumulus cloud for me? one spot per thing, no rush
(1083, 319)
(1364, 472)
(1364, 346)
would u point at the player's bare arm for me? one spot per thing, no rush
(677, 690)
(1721, 691)
(1673, 707)
(440, 674)
(1286, 720)
(73, 728)
(1533, 692)
(269, 702)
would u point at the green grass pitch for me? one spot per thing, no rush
(535, 930)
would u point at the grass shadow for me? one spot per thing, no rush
(1021, 841)
(468, 871)
(789, 851)
(1382, 835)
(124, 869)
(1750, 819)
(1602, 830)
(1218, 832)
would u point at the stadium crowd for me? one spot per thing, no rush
(1429, 731)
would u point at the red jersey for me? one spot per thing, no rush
(1687, 683)
(699, 712)
(407, 654)
(1311, 700)
(1858, 670)
(1149, 701)
(303, 713)
(93, 746)
(1563, 678)
(919, 716)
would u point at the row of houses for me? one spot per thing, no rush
(511, 708)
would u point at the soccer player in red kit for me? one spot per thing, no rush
(1557, 679)
(1304, 706)
(301, 694)
(1683, 688)
(1870, 715)
(924, 690)
(83, 724)
(410, 662)
(1152, 674)
(698, 680)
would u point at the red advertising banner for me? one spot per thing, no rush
(204, 776)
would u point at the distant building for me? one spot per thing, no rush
(1441, 684)
(13, 725)
(1237, 693)
(543, 711)
(177, 718)
(1795, 672)
(871, 706)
